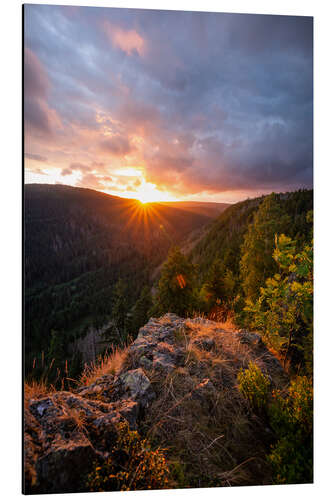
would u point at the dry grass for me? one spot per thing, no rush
(213, 437)
(210, 434)
(76, 418)
(109, 364)
(36, 389)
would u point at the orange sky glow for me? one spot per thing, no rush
(163, 106)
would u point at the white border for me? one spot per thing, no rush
(10, 411)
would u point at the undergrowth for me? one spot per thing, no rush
(132, 465)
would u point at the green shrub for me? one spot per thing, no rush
(254, 386)
(291, 417)
(284, 309)
(132, 465)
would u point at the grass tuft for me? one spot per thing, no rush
(109, 364)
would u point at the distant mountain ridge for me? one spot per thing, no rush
(208, 208)
(58, 217)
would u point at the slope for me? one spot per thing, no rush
(78, 244)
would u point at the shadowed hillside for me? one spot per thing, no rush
(78, 244)
(72, 230)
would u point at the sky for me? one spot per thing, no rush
(167, 105)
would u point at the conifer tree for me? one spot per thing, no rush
(140, 313)
(256, 263)
(176, 285)
(120, 309)
(214, 286)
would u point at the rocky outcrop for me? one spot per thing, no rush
(66, 432)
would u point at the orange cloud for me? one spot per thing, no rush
(127, 40)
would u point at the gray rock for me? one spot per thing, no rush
(164, 363)
(129, 410)
(42, 406)
(145, 363)
(136, 385)
(249, 338)
(64, 467)
(142, 346)
(204, 343)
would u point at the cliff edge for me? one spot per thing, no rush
(176, 384)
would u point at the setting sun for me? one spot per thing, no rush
(148, 193)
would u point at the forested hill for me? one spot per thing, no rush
(225, 238)
(73, 230)
(80, 244)
(206, 208)
(254, 266)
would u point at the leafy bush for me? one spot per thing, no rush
(284, 310)
(254, 386)
(132, 465)
(291, 417)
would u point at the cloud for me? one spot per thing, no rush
(117, 146)
(127, 40)
(37, 113)
(93, 181)
(36, 82)
(35, 157)
(200, 102)
(76, 167)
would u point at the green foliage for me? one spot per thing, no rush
(214, 289)
(254, 386)
(225, 241)
(132, 465)
(256, 263)
(284, 310)
(141, 310)
(218, 289)
(176, 291)
(291, 417)
(178, 474)
(120, 309)
(230, 285)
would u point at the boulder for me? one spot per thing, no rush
(135, 385)
(101, 388)
(146, 363)
(63, 469)
(164, 363)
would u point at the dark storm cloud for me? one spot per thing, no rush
(221, 101)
